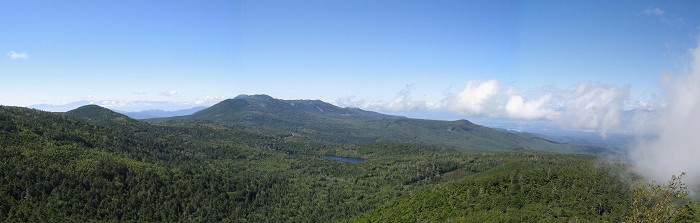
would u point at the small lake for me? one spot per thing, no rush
(344, 159)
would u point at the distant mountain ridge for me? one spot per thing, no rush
(157, 113)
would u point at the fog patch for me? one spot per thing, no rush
(676, 148)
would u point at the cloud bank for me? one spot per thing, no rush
(474, 98)
(594, 106)
(402, 102)
(517, 107)
(589, 107)
(677, 145)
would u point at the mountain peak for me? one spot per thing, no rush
(264, 109)
(98, 113)
(91, 108)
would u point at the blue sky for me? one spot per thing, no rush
(390, 56)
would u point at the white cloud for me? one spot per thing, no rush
(112, 103)
(207, 100)
(676, 147)
(17, 55)
(594, 106)
(139, 92)
(168, 93)
(402, 102)
(589, 107)
(653, 11)
(473, 99)
(518, 108)
(352, 102)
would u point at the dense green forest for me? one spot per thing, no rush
(92, 164)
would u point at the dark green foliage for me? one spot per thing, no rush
(92, 165)
(61, 168)
(520, 187)
(663, 203)
(690, 212)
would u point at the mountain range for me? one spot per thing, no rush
(321, 121)
(318, 121)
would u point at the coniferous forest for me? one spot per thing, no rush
(259, 159)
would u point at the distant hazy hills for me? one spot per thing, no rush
(157, 113)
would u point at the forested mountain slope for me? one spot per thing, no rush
(320, 121)
(91, 165)
(58, 168)
(543, 187)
